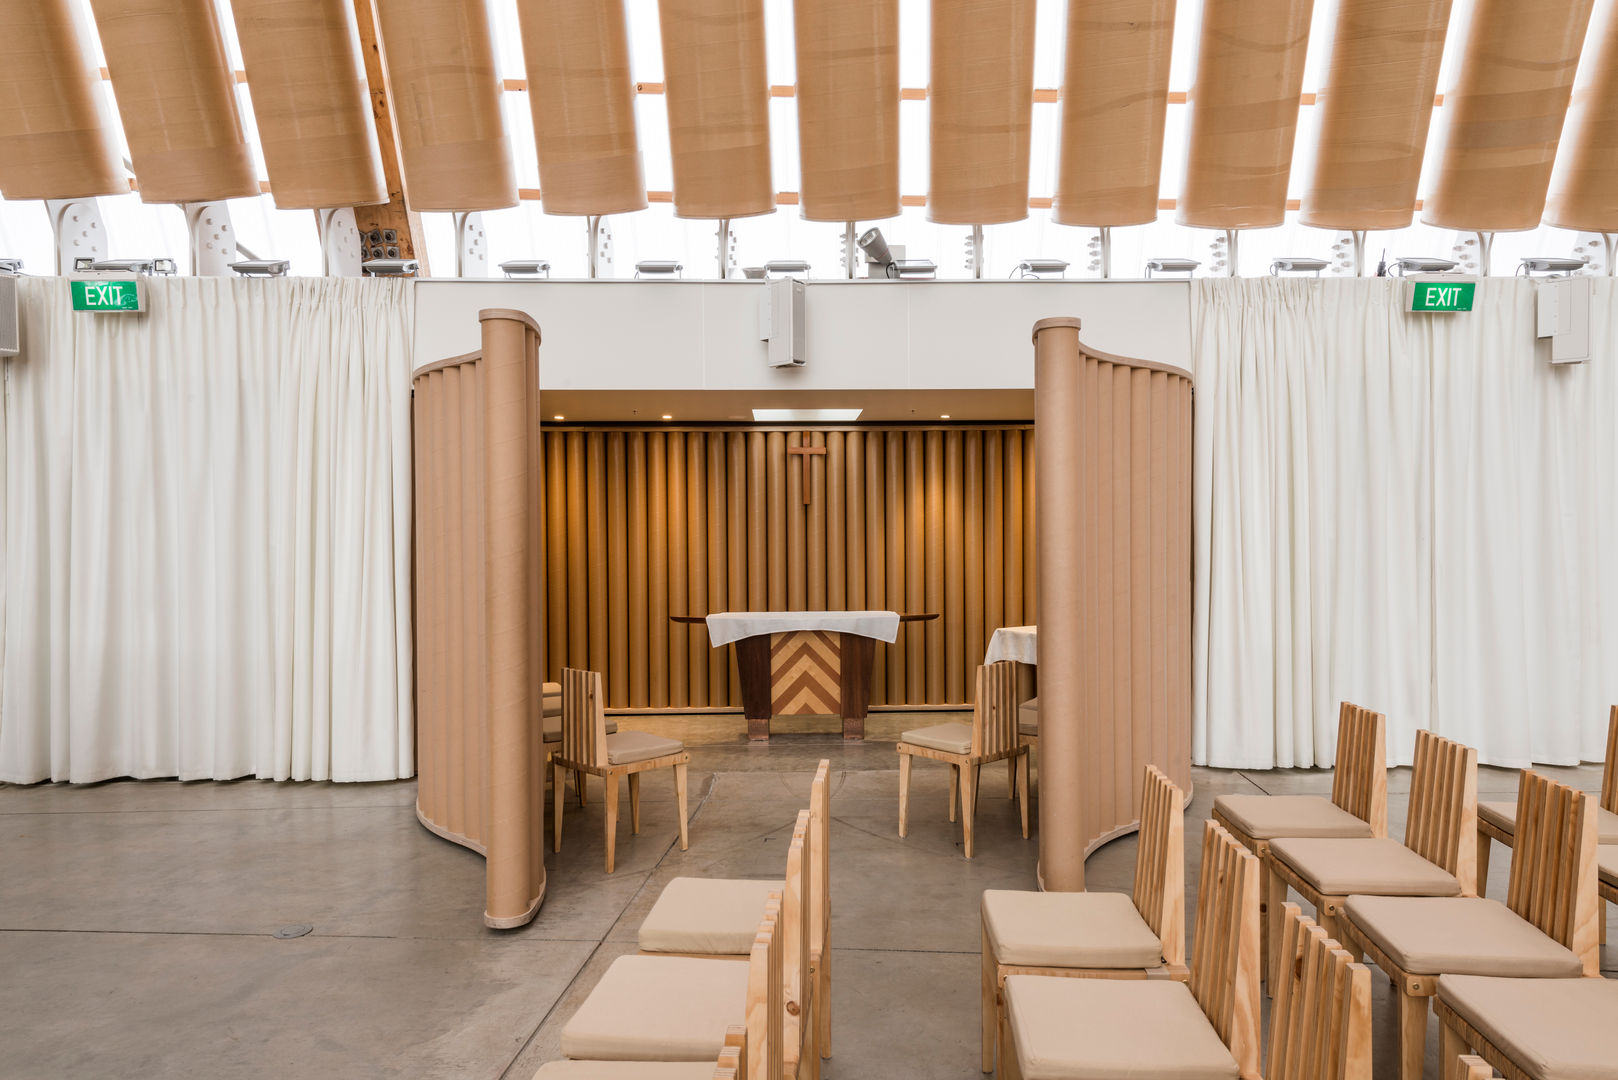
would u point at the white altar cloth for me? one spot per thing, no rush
(1019, 643)
(729, 626)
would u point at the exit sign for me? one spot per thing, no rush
(1442, 295)
(108, 294)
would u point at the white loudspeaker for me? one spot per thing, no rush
(1562, 310)
(10, 335)
(780, 321)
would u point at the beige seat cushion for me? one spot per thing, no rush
(553, 726)
(630, 746)
(1266, 817)
(1555, 1029)
(626, 1070)
(551, 698)
(708, 916)
(658, 1008)
(1028, 717)
(953, 738)
(1078, 930)
(1379, 866)
(1102, 1029)
(1607, 862)
(1503, 816)
(1461, 935)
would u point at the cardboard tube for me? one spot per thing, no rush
(848, 108)
(1584, 187)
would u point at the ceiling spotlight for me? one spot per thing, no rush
(1298, 266)
(11, 266)
(1550, 264)
(262, 267)
(666, 416)
(558, 418)
(526, 268)
(786, 266)
(876, 250)
(914, 270)
(782, 416)
(753, 273)
(659, 268)
(943, 416)
(1039, 267)
(1171, 266)
(391, 267)
(1422, 265)
(126, 266)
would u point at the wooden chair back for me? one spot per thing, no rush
(796, 907)
(766, 998)
(1320, 1022)
(1609, 775)
(732, 1063)
(1553, 866)
(994, 714)
(1160, 863)
(1359, 783)
(1470, 1067)
(1443, 823)
(820, 857)
(1225, 956)
(584, 718)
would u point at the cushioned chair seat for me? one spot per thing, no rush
(707, 916)
(1379, 866)
(1463, 935)
(658, 1008)
(1102, 1029)
(551, 698)
(1266, 817)
(951, 738)
(553, 726)
(1028, 717)
(1059, 929)
(1556, 1029)
(1503, 816)
(626, 1070)
(627, 747)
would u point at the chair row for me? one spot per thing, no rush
(731, 975)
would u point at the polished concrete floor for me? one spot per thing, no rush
(138, 920)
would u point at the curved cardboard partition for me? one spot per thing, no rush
(1113, 439)
(480, 612)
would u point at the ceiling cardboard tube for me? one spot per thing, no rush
(981, 97)
(445, 90)
(583, 103)
(1115, 95)
(1584, 186)
(56, 135)
(177, 98)
(1244, 113)
(718, 97)
(848, 109)
(311, 102)
(1374, 113)
(1503, 117)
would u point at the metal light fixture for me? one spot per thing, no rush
(262, 267)
(1416, 264)
(126, 266)
(526, 268)
(391, 267)
(1549, 264)
(1172, 266)
(786, 266)
(1039, 267)
(659, 268)
(787, 416)
(876, 250)
(915, 270)
(10, 266)
(1297, 266)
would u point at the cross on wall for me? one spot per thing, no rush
(806, 452)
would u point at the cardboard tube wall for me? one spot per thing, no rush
(718, 97)
(981, 99)
(1503, 117)
(56, 136)
(1244, 113)
(1375, 110)
(177, 99)
(583, 103)
(311, 102)
(848, 109)
(1113, 438)
(445, 91)
(1584, 187)
(1115, 95)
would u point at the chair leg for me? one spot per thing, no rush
(1450, 1048)
(1022, 790)
(578, 786)
(977, 786)
(634, 803)
(1275, 894)
(969, 802)
(988, 1019)
(823, 1005)
(1483, 863)
(954, 790)
(1412, 1035)
(612, 817)
(558, 791)
(679, 797)
(1011, 778)
(904, 792)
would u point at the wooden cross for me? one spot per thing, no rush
(805, 451)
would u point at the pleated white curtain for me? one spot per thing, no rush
(1405, 511)
(207, 534)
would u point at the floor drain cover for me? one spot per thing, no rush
(295, 930)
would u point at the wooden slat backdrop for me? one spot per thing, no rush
(642, 524)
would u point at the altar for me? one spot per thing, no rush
(804, 663)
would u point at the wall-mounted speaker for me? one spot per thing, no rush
(781, 322)
(10, 329)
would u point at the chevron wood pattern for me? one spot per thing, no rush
(806, 673)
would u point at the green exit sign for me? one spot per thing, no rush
(1442, 295)
(108, 294)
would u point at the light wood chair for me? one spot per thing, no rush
(586, 748)
(1320, 1025)
(965, 748)
(1155, 1027)
(1358, 805)
(1529, 1029)
(1470, 1067)
(1097, 935)
(1436, 858)
(551, 728)
(1546, 930)
(1028, 736)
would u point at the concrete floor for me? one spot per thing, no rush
(137, 918)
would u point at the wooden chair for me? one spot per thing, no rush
(1470, 1067)
(1529, 1029)
(551, 730)
(1436, 858)
(1320, 1025)
(1028, 736)
(1358, 805)
(1095, 935)
(1155, 1027)
(1546, 930)
(965, 748)
(587, 748)
(730, 1065)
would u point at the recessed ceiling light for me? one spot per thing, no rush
(822, 415)
(943, 416)
(558, 418)
(666, 416)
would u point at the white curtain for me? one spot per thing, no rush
(1413, 512)
(207, 534)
